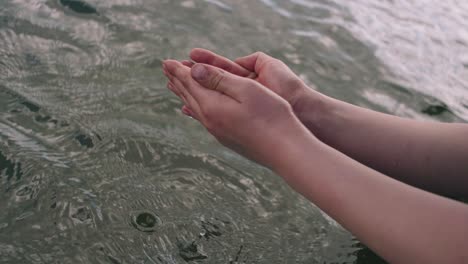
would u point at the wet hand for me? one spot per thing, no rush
(241, 113)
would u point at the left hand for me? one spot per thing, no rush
(241, 113)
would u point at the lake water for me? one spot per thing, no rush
(98, 165)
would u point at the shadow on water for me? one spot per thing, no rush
(79, 6)
(31, 106)
(404, 101)
(436, 109)
(85, 141)
(364, 255)
(9, 168)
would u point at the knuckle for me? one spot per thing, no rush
(264, 56)
(260, 53)
(286, 108)
(216, 80)
(282, 63)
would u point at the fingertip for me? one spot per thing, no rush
(194, 54)
(249, 62)
(170, 65)
(195, 51)
(200, 55)
(176, 68)
(186, 110)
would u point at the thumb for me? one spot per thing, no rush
(219, 80)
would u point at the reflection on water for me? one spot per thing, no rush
(97, 164)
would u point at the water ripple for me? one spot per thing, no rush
(98, 165)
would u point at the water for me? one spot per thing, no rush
(98, 165)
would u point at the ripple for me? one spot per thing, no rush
(31, 146)
(416, 46)
(220, 5)
(145, 221)
(94, 149)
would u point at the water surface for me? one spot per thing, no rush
(98, 165)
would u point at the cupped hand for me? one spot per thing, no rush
(268, 71)
(241, 113)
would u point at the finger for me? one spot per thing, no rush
(170, 85)
(222, 81)
(173, 89)
(188, 112)
(182, 73)
(187, 63)
(210, 58)
(189, 101)
(166, 73)
(254, 62)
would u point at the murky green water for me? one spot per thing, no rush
(98, 165)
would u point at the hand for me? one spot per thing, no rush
(268, 71)
(241, 113)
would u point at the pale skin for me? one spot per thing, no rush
(338, 155)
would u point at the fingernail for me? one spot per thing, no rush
(185, 111)
(199, 72)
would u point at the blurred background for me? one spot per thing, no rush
(98, 165)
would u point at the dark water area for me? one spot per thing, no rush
(98, 165)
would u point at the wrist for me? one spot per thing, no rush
(296, 141)
(315, 110)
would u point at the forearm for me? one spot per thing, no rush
(429, 155)
(401, 223)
